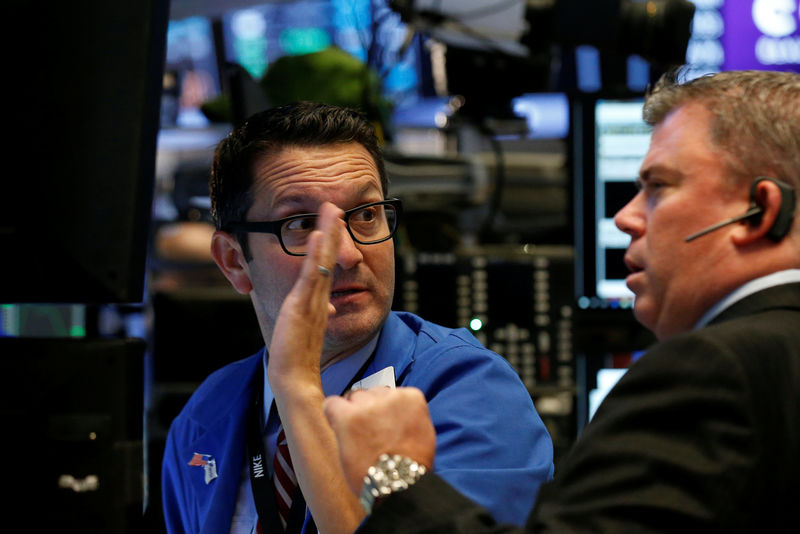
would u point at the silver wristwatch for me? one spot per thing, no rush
(390, 475)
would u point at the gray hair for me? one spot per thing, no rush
(755, 118)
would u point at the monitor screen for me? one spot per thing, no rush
(611, 140)
(736, 35)
(257, 36)
(84, 120)
(230, 52)
(191, 72)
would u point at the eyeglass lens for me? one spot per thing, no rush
(370, 224)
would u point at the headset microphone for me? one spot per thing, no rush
(746, 215)
(782, 222)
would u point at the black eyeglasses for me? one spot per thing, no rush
(367, 224)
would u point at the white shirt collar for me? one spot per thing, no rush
(753, 286)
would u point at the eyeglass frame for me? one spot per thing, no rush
(274, 227)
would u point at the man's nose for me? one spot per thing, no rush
(630, 219)
(349, 254)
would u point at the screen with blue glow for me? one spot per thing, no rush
(191, 73)
(370, 31)
(257, 36)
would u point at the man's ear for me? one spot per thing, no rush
(767, 195)
(227, 253)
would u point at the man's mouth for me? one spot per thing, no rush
(345, 292)
(632, 266)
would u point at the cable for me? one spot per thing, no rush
(499, 185)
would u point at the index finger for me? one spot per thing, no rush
(313, 285)
(326, 237)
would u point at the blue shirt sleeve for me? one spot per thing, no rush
(174, 490)
(491, 444)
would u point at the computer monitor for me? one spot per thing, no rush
(610, 141)
(82, 122)
(735, 35)
(257, 36)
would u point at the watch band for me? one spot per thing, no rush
(391, 474)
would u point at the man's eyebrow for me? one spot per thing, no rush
(293, 198)
(368, 188)
(646, 175)
(641, 179)
(294, 201)
(291, 202)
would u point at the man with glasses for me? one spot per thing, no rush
(279, 182)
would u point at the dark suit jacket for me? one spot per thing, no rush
(702, 434)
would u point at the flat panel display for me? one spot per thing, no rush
(86, 90)
(613, 140)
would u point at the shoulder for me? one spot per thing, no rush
(751, 345)
(723, 399)
(457, 373)
(744, 371)
(226, 387)
(431, 335)
(452, 348)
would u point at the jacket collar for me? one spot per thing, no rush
(784, 296)
(748, 288)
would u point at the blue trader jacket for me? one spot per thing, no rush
(491, 444)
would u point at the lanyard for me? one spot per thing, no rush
(263, 486)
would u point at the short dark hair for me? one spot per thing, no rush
(301, 124)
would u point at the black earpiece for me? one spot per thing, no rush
(785, 216)
(753, 215)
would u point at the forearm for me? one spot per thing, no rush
(315, 458)
(295, 351)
